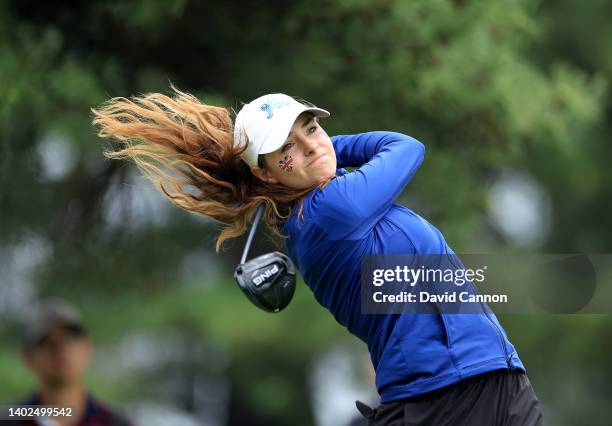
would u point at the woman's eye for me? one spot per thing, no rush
(312, 129)
(286, 147)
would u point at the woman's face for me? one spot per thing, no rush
(306, 159)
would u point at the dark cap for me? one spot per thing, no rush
(46, 314)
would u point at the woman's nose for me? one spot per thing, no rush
(310, 147)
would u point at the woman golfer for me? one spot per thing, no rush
(434, 369)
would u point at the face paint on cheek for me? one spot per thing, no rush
(286, 164)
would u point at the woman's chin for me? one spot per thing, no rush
(326, 176)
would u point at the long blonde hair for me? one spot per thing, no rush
(185, 148)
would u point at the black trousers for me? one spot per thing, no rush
(497, 398)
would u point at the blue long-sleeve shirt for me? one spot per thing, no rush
(355, 215)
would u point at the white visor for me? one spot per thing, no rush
(266, 122)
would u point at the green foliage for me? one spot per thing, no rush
(485, 85)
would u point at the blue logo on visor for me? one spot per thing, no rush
(269, 107)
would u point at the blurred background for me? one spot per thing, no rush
(511, 99)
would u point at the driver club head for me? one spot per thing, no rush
(267, 280)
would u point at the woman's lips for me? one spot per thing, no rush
(316, 159)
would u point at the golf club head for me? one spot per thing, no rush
(267, 280)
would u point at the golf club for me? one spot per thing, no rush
(268, 280)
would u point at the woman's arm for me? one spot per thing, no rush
(355, 150)
(357, 200)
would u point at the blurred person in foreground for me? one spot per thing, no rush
(57, 350)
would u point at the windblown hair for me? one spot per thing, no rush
(186, 149)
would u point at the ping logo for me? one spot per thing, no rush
(261, 278)
(269, 107)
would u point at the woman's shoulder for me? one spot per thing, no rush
(319, 199)
(324, 210)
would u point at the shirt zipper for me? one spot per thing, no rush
(499, 335)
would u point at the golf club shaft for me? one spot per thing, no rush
(256, 221)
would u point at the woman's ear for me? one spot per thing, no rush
(263, 174)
